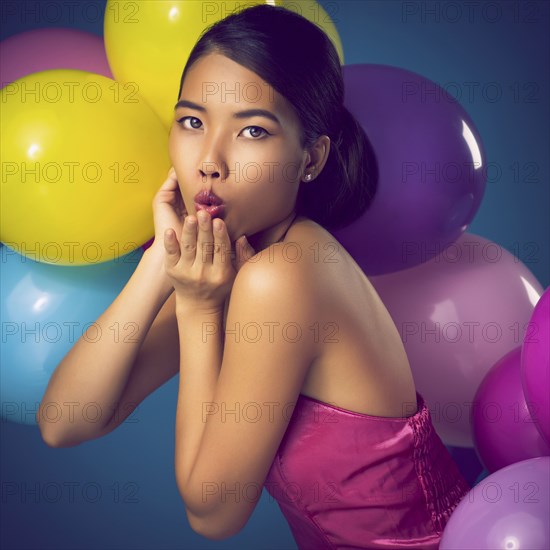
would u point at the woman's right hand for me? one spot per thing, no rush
(168, 210)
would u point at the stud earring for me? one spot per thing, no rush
(308, 177)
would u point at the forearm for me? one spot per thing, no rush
(96, 371)
(201, 352)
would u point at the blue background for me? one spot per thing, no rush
(503, 44)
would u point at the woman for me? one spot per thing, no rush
(292, 373)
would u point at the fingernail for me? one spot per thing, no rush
(217, 225)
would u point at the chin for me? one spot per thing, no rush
(232, 237)
(230, 230)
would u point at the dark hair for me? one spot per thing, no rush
(299, 60)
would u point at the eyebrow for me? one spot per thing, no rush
(240, 114)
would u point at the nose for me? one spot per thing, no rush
(212, 162)
(208, 170)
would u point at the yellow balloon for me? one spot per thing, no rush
(148, 43)
(82, 157)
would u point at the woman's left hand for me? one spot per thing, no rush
(201, 264)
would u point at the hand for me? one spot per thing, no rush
(168, 210)
(201, 264)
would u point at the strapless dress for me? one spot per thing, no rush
(347, 480)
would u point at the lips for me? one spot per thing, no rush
(207, 198)
(209, 201)
(215, 211)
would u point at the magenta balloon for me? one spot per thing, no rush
(458, 314)
(535, 365)
(431, 165)
(509, 509)
(503, 430)
(51, 48)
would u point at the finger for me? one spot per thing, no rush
(222, 244)
(205, 238)
(171, 182)
(172, 248)
(179, 205)
(188, 239)
(168, 192)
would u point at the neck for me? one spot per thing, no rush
(274, 234)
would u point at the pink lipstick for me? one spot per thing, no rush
(214, 211)
(209, 201)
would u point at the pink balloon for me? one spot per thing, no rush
(535, 365)
(503, 430)
(457, 315)
(507, 510)
(51, 48)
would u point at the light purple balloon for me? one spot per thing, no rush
(535, 365)
(503, 430)
(414, 128)
(51, 48)
(457, 315)
(507, 510)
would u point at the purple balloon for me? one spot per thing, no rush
(535, 365)
(507, 510)
(457, 315)
(503, 430)
(431, 166)
(51, 48)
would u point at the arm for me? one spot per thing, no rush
(233, 410)
(118, 375)
(100, 371)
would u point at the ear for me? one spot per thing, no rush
(315, 158)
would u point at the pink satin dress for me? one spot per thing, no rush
(346, 480)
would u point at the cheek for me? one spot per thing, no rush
(291, 166)
(280, 168)
(176, 147)
(288, 173)
(172, 146)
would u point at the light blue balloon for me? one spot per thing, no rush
(44, 310)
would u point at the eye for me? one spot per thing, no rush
(194, 122)
(256, 131)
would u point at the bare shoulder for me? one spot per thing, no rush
(290, 265)
(274, 282)
(277, 290)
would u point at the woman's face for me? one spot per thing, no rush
(253, 162)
